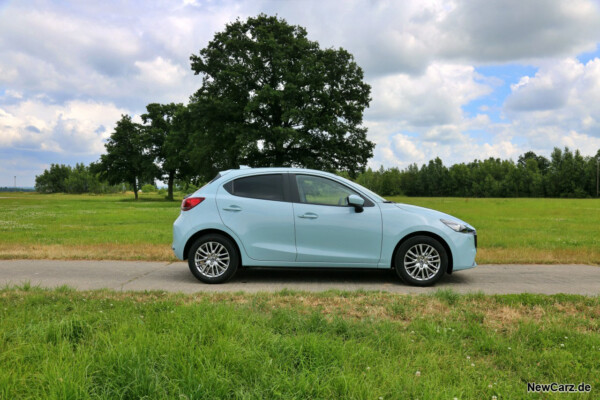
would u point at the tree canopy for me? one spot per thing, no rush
(272, 97)
(127, 157)
(167, 130)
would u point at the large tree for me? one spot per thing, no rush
(167, 130)
(272, 97)
(127, 157)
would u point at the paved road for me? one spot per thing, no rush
(175, 277)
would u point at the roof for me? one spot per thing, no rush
(244, 170)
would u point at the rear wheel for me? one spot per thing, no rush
(421, 261)
(213, 258)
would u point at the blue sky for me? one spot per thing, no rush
(455, 79)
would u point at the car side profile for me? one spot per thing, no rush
(289, 217)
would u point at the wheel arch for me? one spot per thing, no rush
(431, 235)
(203, 232)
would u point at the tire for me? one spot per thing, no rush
(213, 258)
(409, 258)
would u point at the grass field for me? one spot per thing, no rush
(116, 227)
(67, 344)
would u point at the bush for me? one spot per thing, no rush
(162, 191)
(149, 189)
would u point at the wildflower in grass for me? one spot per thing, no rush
(472, 365)
(468, 357)
(418, 373)
(562, 345)
(510, 348)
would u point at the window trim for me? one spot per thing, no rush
(230, 185)
(293, 184)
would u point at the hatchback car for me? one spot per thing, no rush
(287, 217)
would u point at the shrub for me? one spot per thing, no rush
(149, 189)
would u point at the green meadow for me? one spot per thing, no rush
(60, 344)
(62, 226)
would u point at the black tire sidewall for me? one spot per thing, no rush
(234, 258)
(401, 252)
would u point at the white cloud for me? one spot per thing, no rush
(433, 98)
(562, 97)
(391, 37)
(509, 30)
(74, 128)
(404, 147)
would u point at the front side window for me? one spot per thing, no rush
(265, 187)
(317, 190)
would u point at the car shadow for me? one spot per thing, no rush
(311, 275)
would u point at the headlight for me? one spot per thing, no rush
(455, 226)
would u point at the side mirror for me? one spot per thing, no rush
(357, 202)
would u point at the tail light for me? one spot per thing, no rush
(191, 202)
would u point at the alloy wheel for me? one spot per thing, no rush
(422, 262)
(211, 259)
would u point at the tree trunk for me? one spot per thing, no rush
(170, 185)
(135, 189)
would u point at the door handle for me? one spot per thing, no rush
(309, 215)
(232, 207)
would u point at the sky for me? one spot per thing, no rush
(460, 80)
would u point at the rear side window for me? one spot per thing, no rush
(264, 187)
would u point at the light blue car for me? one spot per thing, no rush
(288, 217)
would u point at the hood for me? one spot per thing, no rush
(428, 212)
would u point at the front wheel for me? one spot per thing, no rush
(213, 258)
(421, 261)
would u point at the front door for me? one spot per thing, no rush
(328, 230)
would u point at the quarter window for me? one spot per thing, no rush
(265, 187)
(317, 190)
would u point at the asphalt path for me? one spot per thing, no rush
(176, 277)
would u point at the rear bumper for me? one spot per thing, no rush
(179, 239)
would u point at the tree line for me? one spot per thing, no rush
(15, 189)
(60, 178)
(565, 174)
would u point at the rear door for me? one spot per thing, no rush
(257, 210)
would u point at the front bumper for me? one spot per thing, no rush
(465, 250)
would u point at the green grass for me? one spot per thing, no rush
(67, 344)
(116, 227)
(86, 226)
